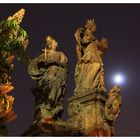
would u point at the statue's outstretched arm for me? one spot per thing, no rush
(78, 51)
(78, 33)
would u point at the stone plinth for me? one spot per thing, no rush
(58, 128)
(87, 112)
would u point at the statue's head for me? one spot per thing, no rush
(90, 25)
(51, 43)
(115, 89)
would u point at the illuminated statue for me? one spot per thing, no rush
(112, 107)
(13, 43)
(50, 71)
(89, 73)
(91, 109)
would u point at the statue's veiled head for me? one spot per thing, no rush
(51, 43)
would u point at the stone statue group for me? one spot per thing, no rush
(50, 70)
(92, 111)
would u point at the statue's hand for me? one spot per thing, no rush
(61, 64)
(48, 60)
(78, 32)
(45, 60)
(77, 35)
(78, 48)
(79, 52)
(87, 58)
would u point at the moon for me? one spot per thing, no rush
(118, 79)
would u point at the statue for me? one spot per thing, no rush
(6, 107)
(91, 109)
(112, 107)
(89, 72)
(13, 44)
(49, 70)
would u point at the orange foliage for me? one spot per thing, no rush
(6, 102)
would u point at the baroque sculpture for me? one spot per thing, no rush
(49, 70)
(13, 43)
(91, 109)
(89, 73)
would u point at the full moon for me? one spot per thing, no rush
(118, 79)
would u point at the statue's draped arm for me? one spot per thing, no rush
(78, 33)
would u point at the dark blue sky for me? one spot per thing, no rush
(120, 24)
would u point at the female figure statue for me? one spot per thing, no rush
(50, 71)
(89, 72)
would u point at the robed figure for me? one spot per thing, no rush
(49, 70)
(89, 72)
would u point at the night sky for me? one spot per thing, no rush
(120, 24)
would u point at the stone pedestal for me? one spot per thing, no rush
(87, 112)
(57, 128)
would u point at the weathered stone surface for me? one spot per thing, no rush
(91, 109)
(86, 111)
(58, 128)
(94, 113)
(89, 71)
(13, 43)
(49, 70)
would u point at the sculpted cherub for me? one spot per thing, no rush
(112, 106)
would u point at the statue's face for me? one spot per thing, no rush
(86, 39)
(93, 29)
(54, 45)
(89, 31)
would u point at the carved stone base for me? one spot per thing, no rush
(58, 128)
(90, 114)
(87, 113)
